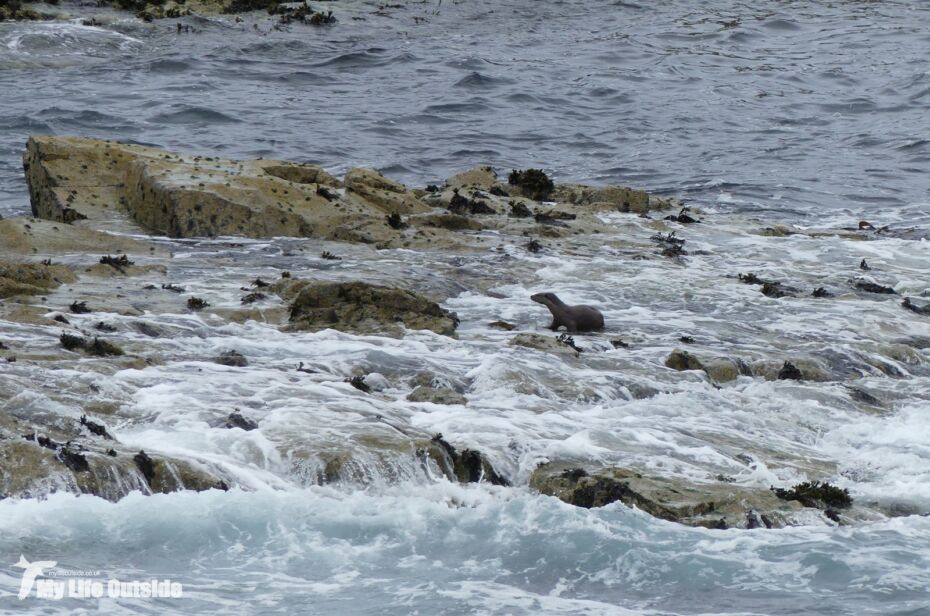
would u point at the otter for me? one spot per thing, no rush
(574, 318)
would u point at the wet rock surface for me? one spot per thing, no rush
(367, 266)
(19, 278)
(125, 187)
(361, 307)
(711, 505)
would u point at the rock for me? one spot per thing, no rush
(482, 177)
(18, 278)
(55, 460)
(720, 369)
(452, 222)
(72, 178)
(711, 505)
(871, 287)
(920, 308)
(31, 236)
(550, 344)
(238, 420)
(618, 198)
(683, 360)
(504, 325)
(231, 358)
(777, 231)
(134, 189)
(366, 308)
(724, 370)
(467, 466)
(436, 395)
(388, 195)
(798, 368)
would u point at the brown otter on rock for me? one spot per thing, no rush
(574, 318)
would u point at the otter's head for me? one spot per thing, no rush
(545, 298)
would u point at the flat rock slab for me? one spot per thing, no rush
(18, 278)
(106, 185)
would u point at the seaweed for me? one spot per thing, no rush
(394, 221)
(682, 217)
(570, 342)
(116, 262)
(196, 303)
(871, 287)
(773, 289)
(326, 193)
(94, 428)
(534, 183)
(79, 307)
(71, 342)
(358, 382)
(820, 495)
(519, 210)
(534, 246)
(103, 348)
(790, 372)
(145, 465)
(251, 298)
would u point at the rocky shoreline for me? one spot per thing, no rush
(92, 249)
(316, 14)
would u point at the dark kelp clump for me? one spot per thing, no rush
(534, 183)
(816, 494)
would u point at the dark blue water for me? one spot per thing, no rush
(792, 107)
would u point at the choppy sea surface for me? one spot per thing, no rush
(807, 113)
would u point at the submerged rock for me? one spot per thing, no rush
(238, 420)
(17, 278)
(83, 458)
(543, 343)
(466, 466)
(231, 358)
(436, 395)
(711, 505)
(872, 287)
(360, 307)
(683, 360)
(919, 308)
(719, 369)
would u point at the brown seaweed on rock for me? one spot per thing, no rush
(534, 183)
